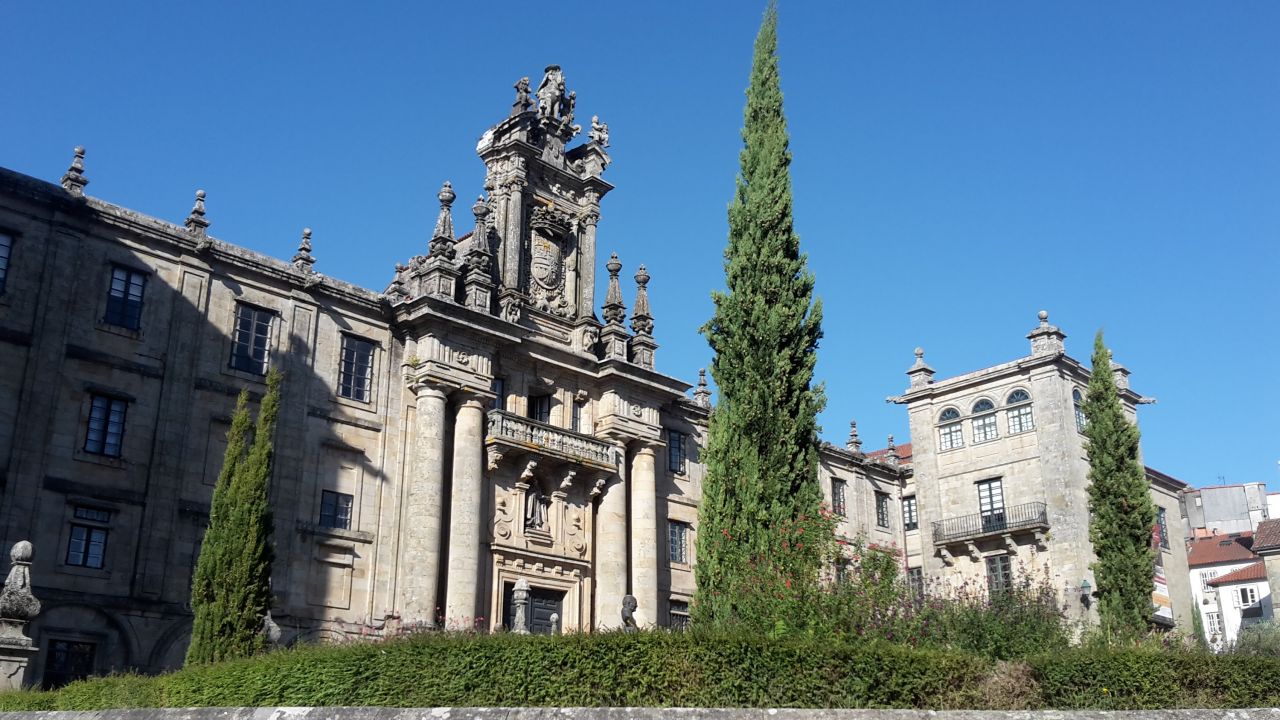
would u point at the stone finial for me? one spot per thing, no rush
(522, 103)
(303, 259)
(920, 373)
(442, 239)
(642, 317)
(196, 222)
(702, 394)
(520, 601)
(1119, 372)
(1046, 339)
(16, 601)
(73, 181)
(614, 311)
(892, 455)
(854, 443)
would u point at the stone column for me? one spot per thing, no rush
(424, 505)
(644, 535)
(611, 554)
(466, 510)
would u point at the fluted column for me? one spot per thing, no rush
(420, 558)
(611, 555)
(644, 535)
(465, 515)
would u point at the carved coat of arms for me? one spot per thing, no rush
(547, 263)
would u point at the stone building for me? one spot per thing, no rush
(475, 446)
(999, 484)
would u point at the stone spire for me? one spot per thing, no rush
(196, 222)
(73, 181)
(478, 282)
(641, 317)
(442, 239)
(303, 260)
(614, 311)
(702, 394)
(920, 373)
(892, 455)
(1046, 339)
(854, 443)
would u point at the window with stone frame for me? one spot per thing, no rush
(1078, 402)
(251, 339)
(991, 505)
(915, 581)
(1163, 524)
(882, 509)
(575, 416)
(6, 250)
(678, 615)
(1018, 412)
(355, 369)
(335, 509)
(676, 459)
(678, 542)
(839, 489)
(540, 408)
(984, 422)
(499, 387)
(67, 661)
(124, 298)
(87, 540)
(909, 519)
(950, 431)
(104, 434)
(999, 574)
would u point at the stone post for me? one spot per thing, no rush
(17, 607)
(420, 559)
(644, 535)
(520, 600)
(611, 553)
(466, 510)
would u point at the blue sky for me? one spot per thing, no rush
(958, 166)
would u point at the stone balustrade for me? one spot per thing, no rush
(523, 433)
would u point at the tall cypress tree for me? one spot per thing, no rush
(1122, 514)
(761, 452)
(231, 587)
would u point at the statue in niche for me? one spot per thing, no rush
(535, 508)
(629, 606)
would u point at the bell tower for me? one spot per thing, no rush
(545, 203)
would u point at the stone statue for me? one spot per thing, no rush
(522, 102)
(535, 508)
(16, 601)
(599, 132)
(270, 631)
(629, 606)
(551, 93)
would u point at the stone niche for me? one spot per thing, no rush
(543, 507)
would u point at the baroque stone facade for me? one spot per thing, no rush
(472, 447)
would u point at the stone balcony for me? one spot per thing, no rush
(510, 434)
(966, 530)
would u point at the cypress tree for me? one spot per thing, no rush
(231, 587)
(1122, 514)
(761, 451)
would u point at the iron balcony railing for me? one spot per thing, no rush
(534, 435)
(1028, 516)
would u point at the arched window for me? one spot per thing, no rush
(950, 432)
(1079, 403)
(1019, 412)
(984, 422)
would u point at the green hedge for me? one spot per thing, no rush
(673, 669)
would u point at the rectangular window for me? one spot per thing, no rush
(950, 436)
(124, 298)
(105, 434)
(984, 428)
(499, 388)
(675, 451)
(355, 370)
(882, 509)
(915, 581)
(92, 514)
(575, 417)
(999, 574)
(1247, 596)
(87, 546)
(335, 510)
(678, 533)
(1205, 577)
(1020, 420)
(251, 339)
(1214, 624)
(909, 519)
(838, 491)
(67, 662)
(991, 505)
(1162, 523)
(678, 618)
(6, 249)
(540, 408)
